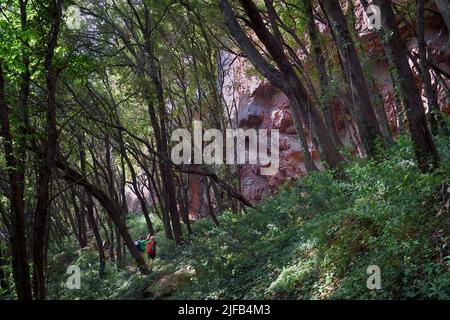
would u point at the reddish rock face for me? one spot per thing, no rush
(262, 106)
(259, 105)
(197, 202)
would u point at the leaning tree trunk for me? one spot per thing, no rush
(160, 130)
(324, 82)
(423, 143)
(301, 132)
(162, 168)
(366, 119)
(286, 80)
(90, 211)
(139, 195)
(95, 230)
(165, 167)
(80, 233)
(135, 185)
(112, 208)
(394, 79)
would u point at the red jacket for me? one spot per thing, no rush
(151, 247)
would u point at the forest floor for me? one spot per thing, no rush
(315, 239)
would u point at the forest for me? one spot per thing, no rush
(224, 149)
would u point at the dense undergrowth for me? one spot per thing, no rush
(317, 237)
(313, 240)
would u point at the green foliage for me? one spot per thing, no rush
(316, 239)
(114, 284)
(6, 268)
(313, 240)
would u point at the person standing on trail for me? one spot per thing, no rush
(150, 250)
(140, 245)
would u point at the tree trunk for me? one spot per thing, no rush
(90, 210)
(81, 231)
(68, 216)
(424, 146)
(18, 242)
(286, 80)
(112, 208)
(319, 60)
(41, 214)
(365, 117)
(82, 193)
(97, 236)
(434, 115)
(383, 120)
(184, 206)
(165, 168)
(301, 134)
(169, 194)
(16, 174)
(119, 254)
(112, 240)
(139, 195)
(210, 206)
(394, 79)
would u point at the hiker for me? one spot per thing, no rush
(140, 245)
(150, 249)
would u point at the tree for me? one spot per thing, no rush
(15, 156)
(19, 253)
(41, 214)
(285, 79)
(319, 59)
(111, 207)
(435, 118)
(365, 117)
(424, 146)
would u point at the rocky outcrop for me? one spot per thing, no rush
(437, 41)
(166, 284)
(259, 105)
(255, 103)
